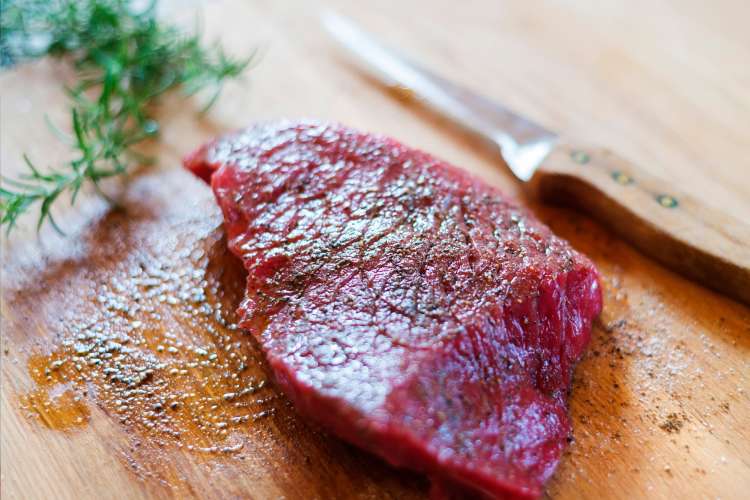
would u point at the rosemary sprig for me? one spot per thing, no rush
(125, 60)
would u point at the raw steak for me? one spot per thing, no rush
(405, 305)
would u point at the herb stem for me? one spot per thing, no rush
(125, 60)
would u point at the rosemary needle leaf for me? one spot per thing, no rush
(125, 59)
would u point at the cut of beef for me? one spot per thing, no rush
(406, 306)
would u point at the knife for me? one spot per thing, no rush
(672, 227)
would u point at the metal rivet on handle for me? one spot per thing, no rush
(621, 178)
(580, 157)
(402, 92)
(667, 201)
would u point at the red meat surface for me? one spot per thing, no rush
(405, 305)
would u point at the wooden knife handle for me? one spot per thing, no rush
(677, 230)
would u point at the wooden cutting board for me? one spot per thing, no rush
(660, 404)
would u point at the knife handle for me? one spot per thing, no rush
(677, 230)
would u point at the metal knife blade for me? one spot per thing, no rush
(523, 144)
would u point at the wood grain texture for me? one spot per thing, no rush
(684, 234)
(661, 402)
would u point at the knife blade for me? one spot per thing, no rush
(523, 144)
(681, 232)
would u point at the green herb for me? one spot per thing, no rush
(125, 59)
